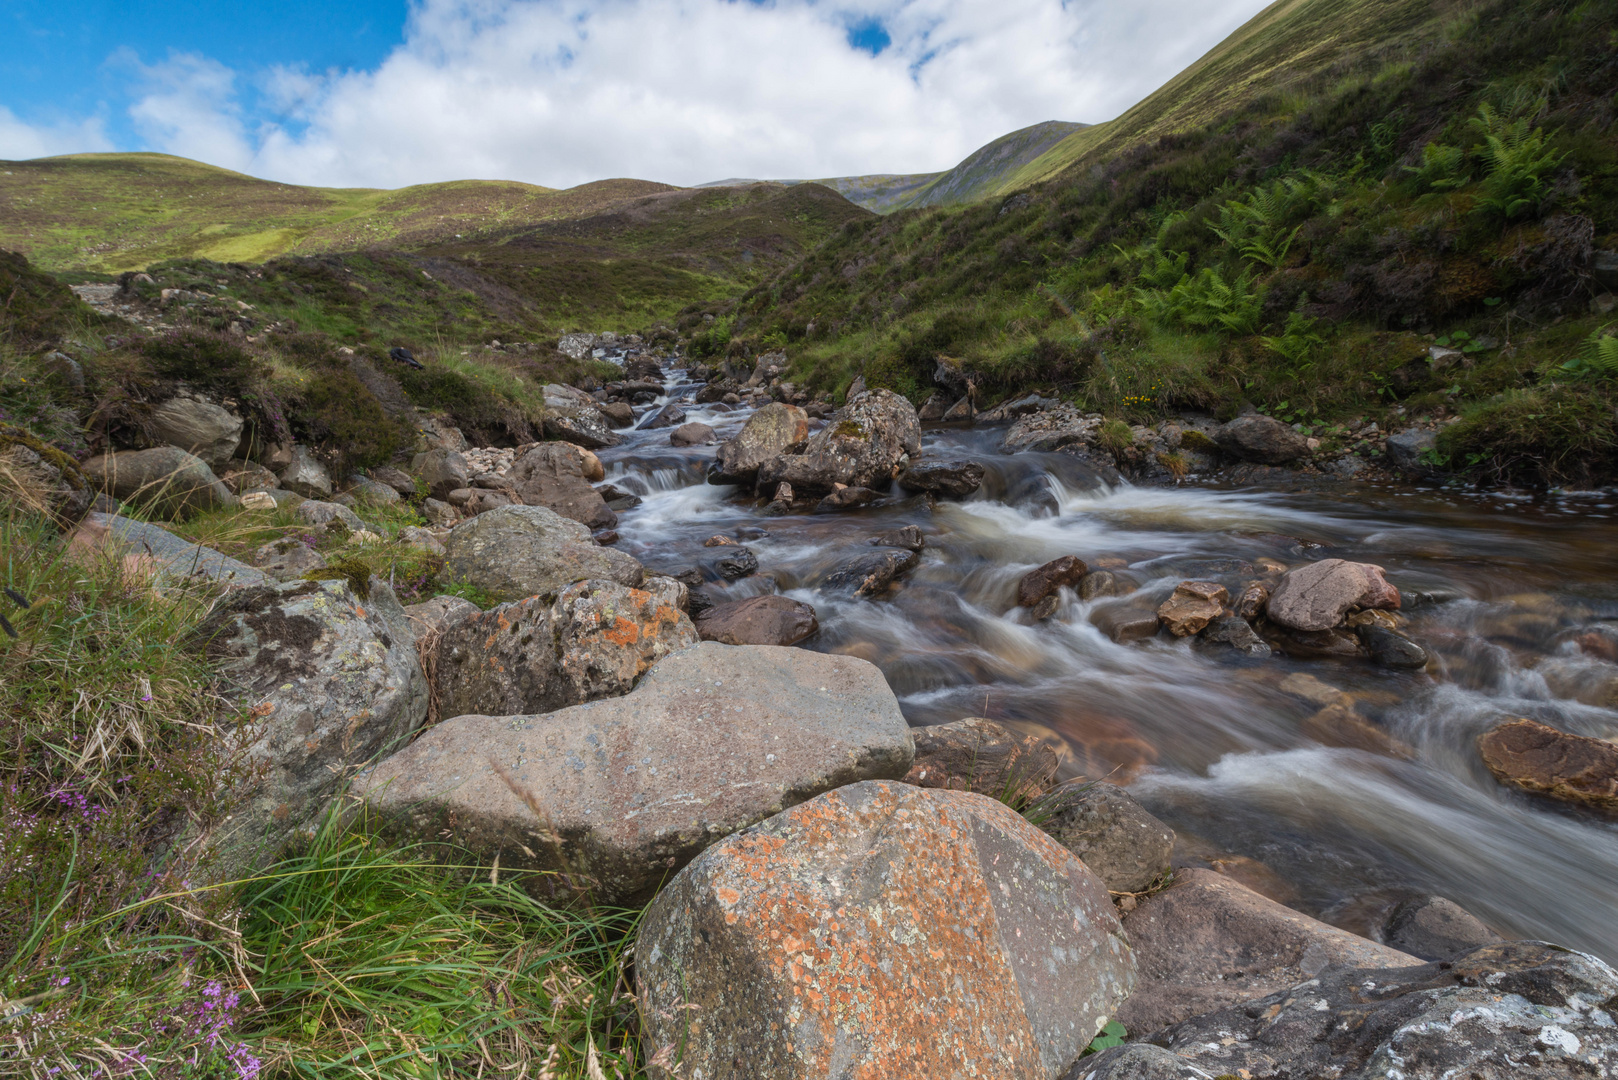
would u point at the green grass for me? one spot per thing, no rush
(351, 957)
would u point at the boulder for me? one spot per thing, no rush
(1207, 942)
(961, 410)
(553, 475)
(1192, 606)
(535, 655)
(421, 539)
(862, 446)
(1122, 844)
(306, 475)
(766, 434)
(1433, 928)
(198, 426)
(881, 930)
(692, 434)
(33, 484)
(1234, 633)
(949, 479)
(1539, 759)
(977, 754)
(166, 481)
(758, 620)
(1409, 451)
(439, 513)
(442, 471)
(867, 575)
(367, 490)
(582, 426)
(159, 550)
(242, 476)
(1260, 438)
(323, 515)
(1501, 1012)
(514, 552)
(1316, 596)
(1036, 585)
(288, 559)
(620, 414)
(670, 415)
(329, 683)
(432, 615)
(618, 794)
(935, 408)
(1391, 649)
(734, 562)
(849, 498)
(397, 479)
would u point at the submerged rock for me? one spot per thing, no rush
(1434, 928)
(881, 930)
(618, 794)
(977, 754)
(1537, 758)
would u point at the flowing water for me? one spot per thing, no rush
(1494, 587)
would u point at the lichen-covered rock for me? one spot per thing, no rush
(554, 475)
(32, 484)
(514, 552)
(767, 433)
(1537, 758)
(1316, 596)
(1121, 843)
(324, 515)
(594, 640)
(881, 931)
(977, 754)
(306, 475)
(166, 481)
(198, 426)
(758, 620)
(166, 555)
(288, 559)
(863, 446)
(618, 794)
(329, 684)
(1501, 1012)
(1207, 942)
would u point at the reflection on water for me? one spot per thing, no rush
(1221, 749)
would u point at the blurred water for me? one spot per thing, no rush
(1213, 745)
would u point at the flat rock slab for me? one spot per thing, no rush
(1538, 758)
(1208, 941)
(881, 931)
(618, 794)
(1501, 1012)
(175, 558)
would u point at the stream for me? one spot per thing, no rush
(1494, 587)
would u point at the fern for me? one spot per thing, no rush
(1205, 302)
(1517, 159)
(1297, 340)
(1600, 357)
(1257, 228)
(1442, 167)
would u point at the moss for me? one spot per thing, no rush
(1192, 439)
(357, 572)
(849, 429)
(1116, 436)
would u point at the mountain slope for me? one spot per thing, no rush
(112, 212)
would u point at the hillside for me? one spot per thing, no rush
(111, 212)
(1354, 211)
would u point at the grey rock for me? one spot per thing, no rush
(758, 620)
(167, 481)
(1260, 438)
(862, 446)
(622, 792)
(397, 479)
(367, 490)
(532, 656)
(961, 410)
(1406, 450)
(331, 685)
(735, 562)
(949, 479)
(1434, 928)
(442, 471)
(553, 475)
(1136, 1061)
(434, 614)
(422, 539)
(1516, 1009)
(767, 433)
(867, 575)
(692, 434)
(306, 475)
(199, 426)
(325, 515)
(881, 930)
(1316, 596)
(514, 552)
(1391, 649)
(1121, 843)
(1234, 633)
(288, 559)
(1207, 942)
(583, 426)
(242, 476)
(176, 559)
(670, 415)
(440, 513)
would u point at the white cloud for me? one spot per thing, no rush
(20, 141)
(559, 92)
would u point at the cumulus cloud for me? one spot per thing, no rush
(20, 141)
(558, 92)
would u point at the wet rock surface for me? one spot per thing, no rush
(1036, 585)
(758, 620)
(881, 930)
(867, 575)
(1539, 759)
(949, 479)
(977, 754)
(1315, 597)
(618, 794)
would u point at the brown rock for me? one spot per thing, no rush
(553, 475)
(441, 470)
(1125, 622)
(861, 447)
(692, 434)
(848, 498)
(619, 414)
(1193, 606)
(1537, 758)
(1036, 585)
(885, 932)
(1435, 928)
(1254, 598)
(1101, 583)
(1339, 725)
(758, 620)
(1207, 942)
(720, 541)
(1316, 596)
(594, 640)
(980, 755)
(868, 575)
(1260, 438)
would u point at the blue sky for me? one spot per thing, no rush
(557, 92)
